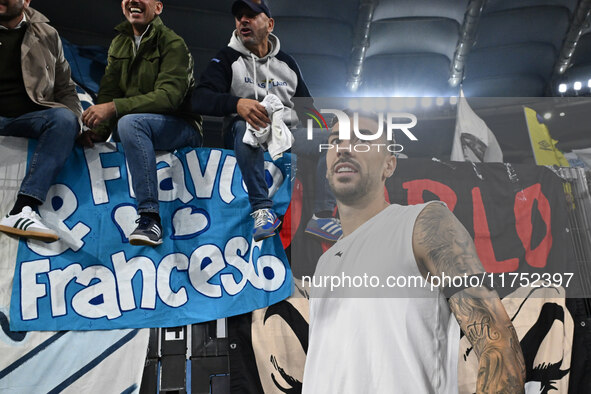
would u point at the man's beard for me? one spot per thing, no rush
(12, 11)
(351, 195)
(248, 41)
(251, 42)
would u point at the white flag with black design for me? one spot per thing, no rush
(473, 140)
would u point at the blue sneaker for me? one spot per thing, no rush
(328, 229)
(265, 223)
(148, 232)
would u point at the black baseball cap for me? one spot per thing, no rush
(256, 6)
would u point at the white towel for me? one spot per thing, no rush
(276, 138)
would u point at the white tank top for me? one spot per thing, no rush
(379, 340)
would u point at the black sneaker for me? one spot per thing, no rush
(148, 232)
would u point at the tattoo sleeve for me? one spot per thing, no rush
(442, 245)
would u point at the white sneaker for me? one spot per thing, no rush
(29, 225)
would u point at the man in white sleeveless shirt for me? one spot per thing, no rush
(367, 337)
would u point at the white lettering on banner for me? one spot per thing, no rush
(173, 171)
(125, 271)
(60, 204)
(236, 249)
(58, 280)
(99, 175)
(35, 290)
(177, 261)
(276, 176)
(276, 273)
(130, 180)
(235, 252)
(204, 181)
(108, 293)
(206, 262)
(99, 299)
(226, 178)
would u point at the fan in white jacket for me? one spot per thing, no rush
(241, 75)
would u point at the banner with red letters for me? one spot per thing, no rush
(516, 214)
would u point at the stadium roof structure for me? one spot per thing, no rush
(418, 48)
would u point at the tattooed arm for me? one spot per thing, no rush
(442, 245)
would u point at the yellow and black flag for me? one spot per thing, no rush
(545, 151)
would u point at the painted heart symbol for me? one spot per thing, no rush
(124, 216)
(189, 222)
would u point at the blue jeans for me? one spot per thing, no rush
(141, 135)
(55, 129)
(252, 165)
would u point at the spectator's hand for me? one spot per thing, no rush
(98, 113)
(87, 139)
(253, 112)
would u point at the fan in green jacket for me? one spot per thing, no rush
(143, 102)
